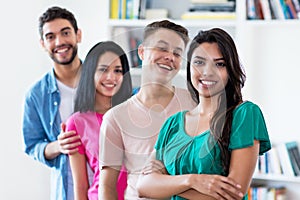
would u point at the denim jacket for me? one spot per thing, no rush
(41, 125)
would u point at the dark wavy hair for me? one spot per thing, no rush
(56, 12)
(86, 91)
(220, 125)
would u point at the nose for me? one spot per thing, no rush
(58, 40)
(207, 70)
(110, 75)
(169, 56)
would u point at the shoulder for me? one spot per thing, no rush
(41, 85)
(247, 106)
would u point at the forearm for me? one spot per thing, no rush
(108, 183)
(195, 195)
(80, 194)
(52, 150)
(159, 186)
(80, 176)
(242, 165)
(108, 193)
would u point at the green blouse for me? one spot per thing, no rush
(184, 154)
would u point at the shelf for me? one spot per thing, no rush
(277, 22)
(188, 23)
(276, 177)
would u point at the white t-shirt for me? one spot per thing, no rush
(67, 99)
(129, 132)
(66, 108)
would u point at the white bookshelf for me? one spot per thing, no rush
(269, 51)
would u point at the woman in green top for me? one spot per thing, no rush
(211, 151)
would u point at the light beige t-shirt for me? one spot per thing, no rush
(129, 132)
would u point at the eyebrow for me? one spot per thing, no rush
(105, 65)
(216, 59)
(61, 30)
(166, 43)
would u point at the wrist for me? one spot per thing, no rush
(190, 180)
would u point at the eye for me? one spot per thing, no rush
(221, 64)
(162, 48)
(177, 54)
(119, 71)
(198, 62)
(66, 33)
(102, 69)
(49, 37)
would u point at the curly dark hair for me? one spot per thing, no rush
(56, 12)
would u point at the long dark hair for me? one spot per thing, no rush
(85, 95)
(220, 125)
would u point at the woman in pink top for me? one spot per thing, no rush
(105, 81)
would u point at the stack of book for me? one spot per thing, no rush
(273, 9)
(210, 9)
(128, 9)
(263, 192)
(283, 158)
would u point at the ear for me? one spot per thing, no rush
(141, 51)
(42, 43)
(79, 35)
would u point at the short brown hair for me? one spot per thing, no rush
(154, 26)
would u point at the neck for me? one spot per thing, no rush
(103, 104)
(207, 106)
(68, 74)
(154, 94)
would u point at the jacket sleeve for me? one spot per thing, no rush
(34, 133)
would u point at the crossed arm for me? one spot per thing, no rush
(154, 184)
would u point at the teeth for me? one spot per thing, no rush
(208, 82)
(109, 85)
(166, 67)
(62, 50)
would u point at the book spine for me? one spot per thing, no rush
(129, 9)
(293, 152)
(266, 9)
(285, 160)
(251, 9)
(114, 9)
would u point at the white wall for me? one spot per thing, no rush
(23, 61)
(271, 55)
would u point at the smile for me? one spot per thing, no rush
(166, 67)
(208, 83)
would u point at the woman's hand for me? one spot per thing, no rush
(154, 166)
(219, 187)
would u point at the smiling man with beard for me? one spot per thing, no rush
(49, 102)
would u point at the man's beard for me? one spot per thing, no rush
(75, 49)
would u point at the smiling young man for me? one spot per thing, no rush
(129, 130)
(49, 102)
